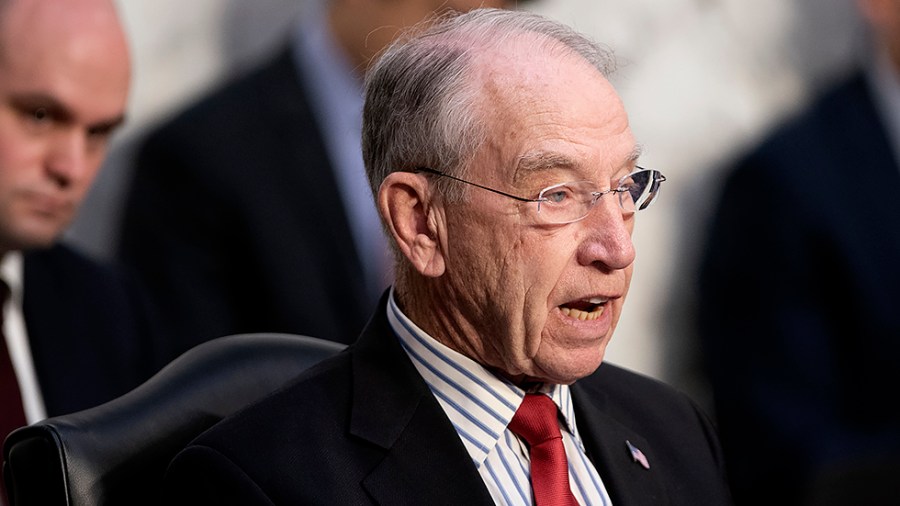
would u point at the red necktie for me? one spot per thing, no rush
(12, 415)
(536, 422)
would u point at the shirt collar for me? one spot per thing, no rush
(11, 271)
(479, 403)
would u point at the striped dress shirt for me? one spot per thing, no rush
(480, 406)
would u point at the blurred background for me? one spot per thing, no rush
(702, 81)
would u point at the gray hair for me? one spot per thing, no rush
(421, 104)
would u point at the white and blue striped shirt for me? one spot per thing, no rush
(480, 405)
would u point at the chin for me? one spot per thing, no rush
(33, 238)
(568, 369)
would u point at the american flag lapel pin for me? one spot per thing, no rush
(637, 455)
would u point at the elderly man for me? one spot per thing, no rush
(506, 175)
(74, 332)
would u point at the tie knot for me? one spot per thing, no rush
(536, 420)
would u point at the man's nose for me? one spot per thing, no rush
(68, 157)
(608, 241)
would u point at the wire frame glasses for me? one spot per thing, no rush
(569, 202)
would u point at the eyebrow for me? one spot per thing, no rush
(108, 126)
(635, 153)
(543, 160)
(61, 112)
(28, 101)
(546, 160)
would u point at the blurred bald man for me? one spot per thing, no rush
(250, 211)
(75, 333)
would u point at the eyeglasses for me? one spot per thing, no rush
(569, 202)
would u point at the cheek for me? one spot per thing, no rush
(14, 165)
(492, 259)
(544, 269)
(19, 151)
(492, 270)
(550, 254)
(527, 265)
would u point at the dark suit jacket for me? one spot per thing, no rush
(235, 222)
(90, 331)
(364, 428)
(800, 301)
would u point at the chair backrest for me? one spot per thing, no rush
(117, 453)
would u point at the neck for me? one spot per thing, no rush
(436, 312)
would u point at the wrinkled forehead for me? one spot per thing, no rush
(538, 96)
(539, 71)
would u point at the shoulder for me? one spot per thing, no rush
(621, 378)
(654, 409)
(677, 437)
(631, 395)
(791, 176)
(279, 419)
(808, 137)
(101, 329)
(263, 451)
(67, 265)
(259, 120)
(101, 294)
(235, 100)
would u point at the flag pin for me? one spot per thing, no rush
(637, 455)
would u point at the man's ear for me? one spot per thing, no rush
(413, 219)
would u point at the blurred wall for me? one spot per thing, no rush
(701, 79)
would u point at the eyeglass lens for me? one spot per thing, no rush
(642, 186)
(569, 202)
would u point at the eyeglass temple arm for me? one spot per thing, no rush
(443, 174)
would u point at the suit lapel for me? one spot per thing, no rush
(875, 172)
(425, 466)
(626, 480)
(424, 461)
(52, 356)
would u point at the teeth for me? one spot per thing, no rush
(597, 300)
(582, 315)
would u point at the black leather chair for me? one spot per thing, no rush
(117, 453)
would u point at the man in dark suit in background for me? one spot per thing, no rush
(76, 332)
(505, 171)
(800, 296)
(250, 210)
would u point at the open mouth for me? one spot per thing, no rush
(584, 310)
